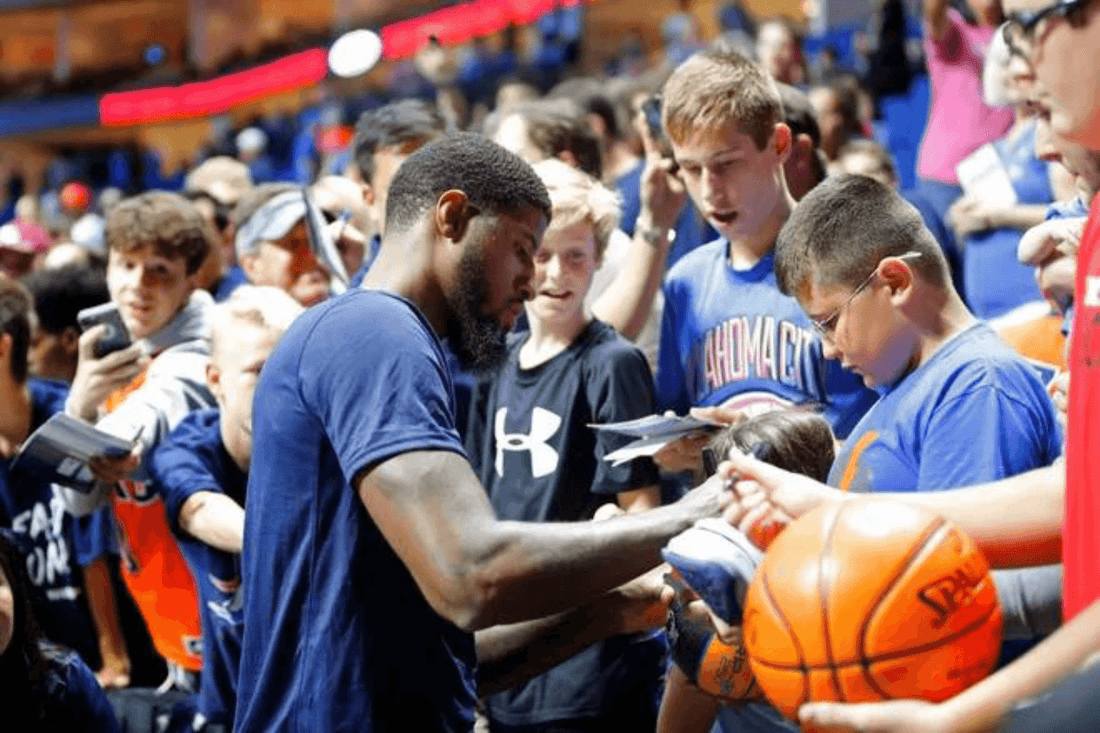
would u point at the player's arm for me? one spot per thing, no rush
(511, 654)
(215, 519)
(983, 707)
(477, 571)
(1016, 521)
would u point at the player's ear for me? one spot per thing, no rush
(214, 380)
(453, 213)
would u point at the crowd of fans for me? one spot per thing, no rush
(724, 235)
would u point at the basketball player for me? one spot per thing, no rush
(729, 337)
(1041, 516)
(371, 551)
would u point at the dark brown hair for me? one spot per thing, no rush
(166, 223)
(799, 441)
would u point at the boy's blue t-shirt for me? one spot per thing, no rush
(337, 636)
(52, 540)
(729, 337)
(974, 412)
(192, 459)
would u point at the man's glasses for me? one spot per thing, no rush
(825, 326)
(1019, 28)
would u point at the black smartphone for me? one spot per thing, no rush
(117, 336)
(651, 110)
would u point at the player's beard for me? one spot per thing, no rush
(478, 340)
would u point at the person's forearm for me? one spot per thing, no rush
(982, 707)
(511, 654)
(1022, 216)
(104, 610)
(214, 519)
(627, 302)
(684, 707)
(1017, 521)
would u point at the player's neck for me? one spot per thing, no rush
(403, 267)
(551, 337)
(15, 420)
(745, 252)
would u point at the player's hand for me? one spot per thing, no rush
(895, 716)
(758, 483)
(96, 379)
(111, 469)
(683, 454)
(644, 603)
(710, 498)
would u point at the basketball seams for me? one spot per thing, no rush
(823, 598)
(767, 593)
(934, 527)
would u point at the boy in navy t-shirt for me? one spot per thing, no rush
(371, 552)
(539, 459)
(202, 468)
(48, 536)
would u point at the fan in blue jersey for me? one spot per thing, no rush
(49, 537)
(201, 469)
(729, 337)
(540, 460)
(371, 552)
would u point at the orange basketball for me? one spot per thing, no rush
(870, 600)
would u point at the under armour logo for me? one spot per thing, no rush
(544, 459)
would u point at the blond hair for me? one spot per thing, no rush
(267, 308)
(577, 197)
(714, 88)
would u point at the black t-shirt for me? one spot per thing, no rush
(540, 461)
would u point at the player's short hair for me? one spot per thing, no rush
(17, 320)
(795, 440)
(61, 292)
(251, 202)
(714, 88)
(406, 124)
(264, 307)
(578, 197)
(166, 223)
(555, 127)
(877, 152)
(493, 179)
(844, 227)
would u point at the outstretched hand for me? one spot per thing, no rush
(895, 716)
(767, 494)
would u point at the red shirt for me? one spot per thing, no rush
(1081, 533)
(153, 567)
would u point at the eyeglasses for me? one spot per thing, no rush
(1019, 28)
(827, 325)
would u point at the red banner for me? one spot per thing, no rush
(215, 96)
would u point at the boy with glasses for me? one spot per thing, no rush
(957, 405)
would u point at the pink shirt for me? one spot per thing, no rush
(959, 122)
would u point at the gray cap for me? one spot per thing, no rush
(271, 222)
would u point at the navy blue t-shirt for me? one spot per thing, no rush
(974, 412)
(337, 636)
(540, 461)
(76, 702)
(52, 540)
(192, 459)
